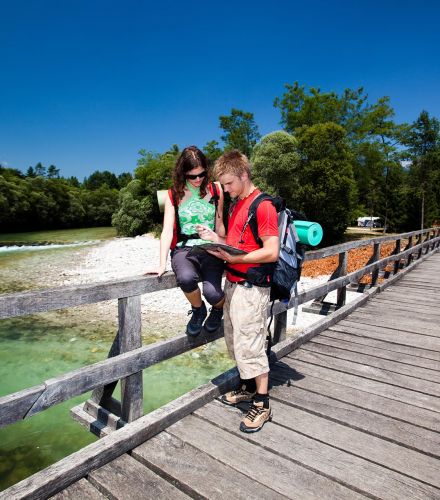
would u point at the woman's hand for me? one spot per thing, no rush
(206, 234)
(159, 271)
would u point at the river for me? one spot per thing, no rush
(41, 346)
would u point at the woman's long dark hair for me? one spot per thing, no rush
(190, 158)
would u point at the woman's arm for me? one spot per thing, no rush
(167, 235)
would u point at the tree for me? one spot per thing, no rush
(30, 172)
(124, 179)
(40, 170)
(275, 162)
(134, 210)
(212, 151)
(326, 189)
(138, 210)
(98, 179)
(301, 108)
(240, 131)
(53, 172)
(423, 142)
(99, 205)
(73, 181)
(372, 136)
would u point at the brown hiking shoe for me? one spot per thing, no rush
(256, 417)
(234, 397)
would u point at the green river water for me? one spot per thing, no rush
(38, 347)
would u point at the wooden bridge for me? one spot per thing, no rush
(356, 397)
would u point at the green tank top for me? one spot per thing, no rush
(195, 210)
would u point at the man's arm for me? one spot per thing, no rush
(267, 253)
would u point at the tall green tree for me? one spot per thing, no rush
(101, 178)
(240, 131)
(40, 170)
(312, 171)
(276, 164)
(423, 143)
(212, 151)
(326, 190)
(138, 210)
(53, 172)
(301, 107)
(373, 138)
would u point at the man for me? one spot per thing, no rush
(245, 309)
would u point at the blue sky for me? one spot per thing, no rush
(85, 84)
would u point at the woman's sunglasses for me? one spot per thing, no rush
(193, 177)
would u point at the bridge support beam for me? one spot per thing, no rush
(129, 309)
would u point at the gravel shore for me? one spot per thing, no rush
(128, 257)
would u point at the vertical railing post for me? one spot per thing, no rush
(129, 309)
(342, 267)
(431, 237)
(397, 251)
(419, 241)
(102, 396)
(374, 258)
(428, 237)
(410, 244)
(279, 327)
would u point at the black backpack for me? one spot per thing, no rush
(283, 274)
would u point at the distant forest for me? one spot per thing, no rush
(336, 157)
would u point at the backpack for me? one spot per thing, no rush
(178, 236)
(283, 274)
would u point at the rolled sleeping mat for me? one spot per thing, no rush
(161, 197)
(309, 233)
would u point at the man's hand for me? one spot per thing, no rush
(222, 255)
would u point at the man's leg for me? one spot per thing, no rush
(262, 383)
(242, 392)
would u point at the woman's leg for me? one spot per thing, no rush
(187, 273)
(187, 276)
(212, 272)
(211, 275)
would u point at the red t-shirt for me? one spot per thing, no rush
(267, 220)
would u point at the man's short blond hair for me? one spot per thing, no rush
(233, 162)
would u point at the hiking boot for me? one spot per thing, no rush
(194, 327)
(241, 395)
(214, 320)
(256, 417)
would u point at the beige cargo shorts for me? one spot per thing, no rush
(244, 320)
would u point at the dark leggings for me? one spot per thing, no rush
(189, 270)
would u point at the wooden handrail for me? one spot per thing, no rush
(25, 303)
(132, 359)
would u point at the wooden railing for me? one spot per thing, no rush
(127, 357)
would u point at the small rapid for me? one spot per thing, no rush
(43, 246)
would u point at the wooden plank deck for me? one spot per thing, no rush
(356, 414)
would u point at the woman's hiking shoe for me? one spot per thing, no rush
(256, 417)
(214, 320)
(241, 395)
(194, 327)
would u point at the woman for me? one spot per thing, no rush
(191, 202)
